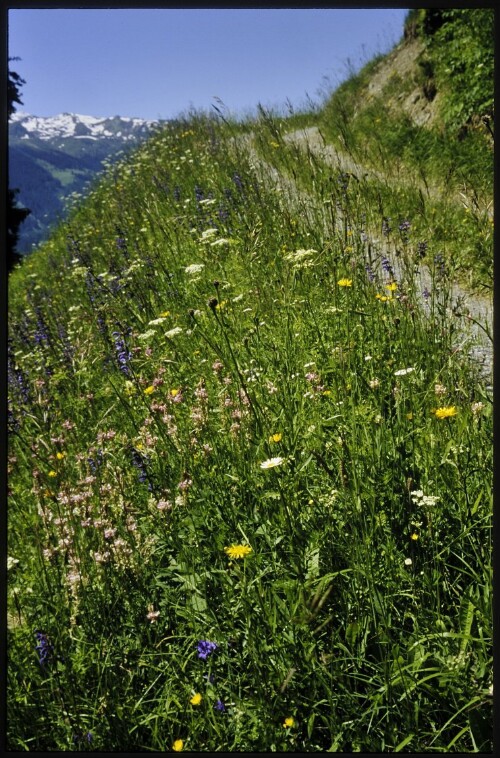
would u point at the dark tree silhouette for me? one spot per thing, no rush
(15, 214)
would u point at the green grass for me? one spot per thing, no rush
(444, 173)
(154, 366)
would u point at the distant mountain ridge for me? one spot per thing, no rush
(25, 126)
(52, 157)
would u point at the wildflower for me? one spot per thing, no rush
(194, 268)
(52, 473)
(476, 408)
(219, 706)
(11, 562)
(275, 438)
(164, 314)
(207, 234)
(429, 500)
(446, 411)
(122, 353)
(299, 255)
(422, 249)
(149, 390)
(102, 557)
(344, 282)
(439, 389)
(60, 456)
(156, 321)
(387, 266)
(392, 287)
(217, 367)
(173, 332)
(374, 383)
(196, 699)
(289, 722)
(152, 615)
(185, 484)
(404, 371)
(205, 648)
(178, 745)
(44, 648)
(238, 551)
(369, 272)
(408, 561)
(272, 462)
(174, 392)
(414, 536)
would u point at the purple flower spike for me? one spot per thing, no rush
(205, 648)
(219, 706)
(44, 648)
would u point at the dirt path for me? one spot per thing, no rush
(473, 313)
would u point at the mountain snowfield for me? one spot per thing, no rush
(79, 126)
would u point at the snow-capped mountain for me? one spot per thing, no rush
(52, 157)
(25, 126)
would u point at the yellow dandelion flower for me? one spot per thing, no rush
(238, 551)
(414, 536)
(178, 745)
(446, 412)
(289, 722)
(174, 392)
(164, 314)
(149, 390)
(275, 438)
(60, 456)
(391, 287)
(52, 473)
(196, 699)
(345, 282)
(221, 305)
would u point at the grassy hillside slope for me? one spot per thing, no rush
(250, 467)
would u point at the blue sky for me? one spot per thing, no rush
(159, 63)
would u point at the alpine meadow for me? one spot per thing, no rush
(250, 433)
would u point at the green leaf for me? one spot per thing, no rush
(403, 744)
(351, 633)
(198, 603)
